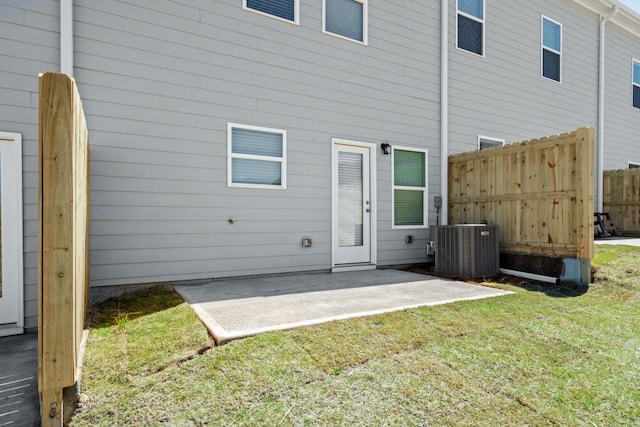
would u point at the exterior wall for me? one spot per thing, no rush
(29, 45)
(160, 81)
(503, 94)
(622, 120)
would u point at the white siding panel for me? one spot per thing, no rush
(622, 121)
(160, 80)
(28, 46)
(503, 95)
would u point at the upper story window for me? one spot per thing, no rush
(636, 83)
(256, 156)
(551, 49)
(633, 165)
(287, 10)
(409, 188)
(487, 142)
(470, 26)
(346, 18)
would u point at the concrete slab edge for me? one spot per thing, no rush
(217, 332)
(221, 336)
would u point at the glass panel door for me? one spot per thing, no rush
(352, 205)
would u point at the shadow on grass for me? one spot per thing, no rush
(559, 290)
(132, 305)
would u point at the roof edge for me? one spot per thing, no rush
(626, 18)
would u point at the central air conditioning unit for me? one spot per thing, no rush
(467, 250)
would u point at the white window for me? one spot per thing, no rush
(346, 19)
(288, 10)
(470, 26)
(551, 49)
(636, 83)
(633, 165)
(256, 157)
(487, 142)
(409, 169)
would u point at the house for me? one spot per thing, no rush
(244, 137)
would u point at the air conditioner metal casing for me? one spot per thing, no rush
(467, 250)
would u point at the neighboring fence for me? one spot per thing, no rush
(539, 192)
(621, 191)
(62, 240)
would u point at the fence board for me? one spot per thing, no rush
(622, 199)
(62, 241)
(540, 192)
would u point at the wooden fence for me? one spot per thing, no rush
(621, 191)
(62, 240)
(539, 192)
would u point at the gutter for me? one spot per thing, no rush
(66, 37)
(444, 110)
(601, 92)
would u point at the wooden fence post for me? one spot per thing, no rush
(62, 241)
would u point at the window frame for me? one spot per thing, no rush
(481, 138)
(425, 189)
(231, 155)
(634, 63)
(296, 12)
(543, 48)
(482, 21)
(365, 23)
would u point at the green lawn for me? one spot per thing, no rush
(542, 356)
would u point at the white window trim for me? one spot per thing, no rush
(634, 63)
(636, 164)
(483, 21)
(543, 47)
(296, 12)
(282, 160)
(488, 138)
(425, 189)
(365, 23)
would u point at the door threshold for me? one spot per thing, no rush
(352, 267)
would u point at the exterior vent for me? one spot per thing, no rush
(467, 250)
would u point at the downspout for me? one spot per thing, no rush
(601, 82)
(66, 37)
(444, 110)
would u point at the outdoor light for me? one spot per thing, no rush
(386, 148)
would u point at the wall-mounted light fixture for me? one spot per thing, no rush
(386, 148)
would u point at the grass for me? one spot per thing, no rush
(543, 356)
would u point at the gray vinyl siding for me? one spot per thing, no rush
(622, 120)
(29, 45)
(503, 94)
(160, 81)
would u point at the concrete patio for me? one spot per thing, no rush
(237, 308)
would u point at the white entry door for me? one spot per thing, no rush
(11, 275)
(353, 209)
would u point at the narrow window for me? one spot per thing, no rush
(487, 142)
(256, 156)
(283, 9)
(636, 84)
(551, 49)
(346, 18)
(470, 26)
(633, 165)
(409, 188)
